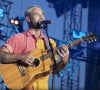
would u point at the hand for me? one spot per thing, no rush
(27, 59)
(64, 53)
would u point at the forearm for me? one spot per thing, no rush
(60, 65)
(8, 58)
(65, 59)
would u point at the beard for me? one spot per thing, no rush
(35, 25)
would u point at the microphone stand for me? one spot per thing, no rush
(55, 69)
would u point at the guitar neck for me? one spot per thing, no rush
(49, 54)
(74, 42)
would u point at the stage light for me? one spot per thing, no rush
(12, 21)
(16, 22)
(1, 29)
(1, 12)
(78, 34)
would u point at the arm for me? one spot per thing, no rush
(7, 57)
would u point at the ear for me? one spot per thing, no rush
(27, 18)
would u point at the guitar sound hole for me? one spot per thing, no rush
(36, 62)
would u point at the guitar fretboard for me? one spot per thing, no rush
(49, 54)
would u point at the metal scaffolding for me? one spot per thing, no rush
(6, 5)
(71, 73)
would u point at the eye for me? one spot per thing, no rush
(36, 14)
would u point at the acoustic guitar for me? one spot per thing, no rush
(17, 76)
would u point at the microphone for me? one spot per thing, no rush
(44, 22)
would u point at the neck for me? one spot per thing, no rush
(36, 32)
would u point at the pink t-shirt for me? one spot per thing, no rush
(22, 42)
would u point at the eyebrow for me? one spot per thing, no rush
(38, 13)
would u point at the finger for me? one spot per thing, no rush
(66, 49)
(63, 48)
(27, 62)
(60, 53)
(63, 52)
(31, 59)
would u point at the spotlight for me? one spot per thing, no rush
(16, 22)
(12, 21)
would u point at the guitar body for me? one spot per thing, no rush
(15, 80)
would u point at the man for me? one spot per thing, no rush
(17, 46)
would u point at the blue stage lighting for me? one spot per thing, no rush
(1, 29)
(1, 12)
(78, 34)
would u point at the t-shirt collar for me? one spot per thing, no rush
(29, 33)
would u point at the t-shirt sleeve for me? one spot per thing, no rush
(10, 43)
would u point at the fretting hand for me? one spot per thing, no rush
(64, 53)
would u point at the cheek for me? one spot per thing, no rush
(35, 19)
(43, 18)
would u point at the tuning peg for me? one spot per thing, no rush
(92, 41)
(89, 42)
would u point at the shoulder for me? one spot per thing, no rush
(17, 36)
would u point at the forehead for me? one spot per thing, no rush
(37, 9)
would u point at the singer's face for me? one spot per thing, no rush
(36, 16)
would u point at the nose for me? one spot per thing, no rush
(42, 17)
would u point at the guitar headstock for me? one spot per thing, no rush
(90, 37)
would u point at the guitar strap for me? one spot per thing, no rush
(46, 43)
